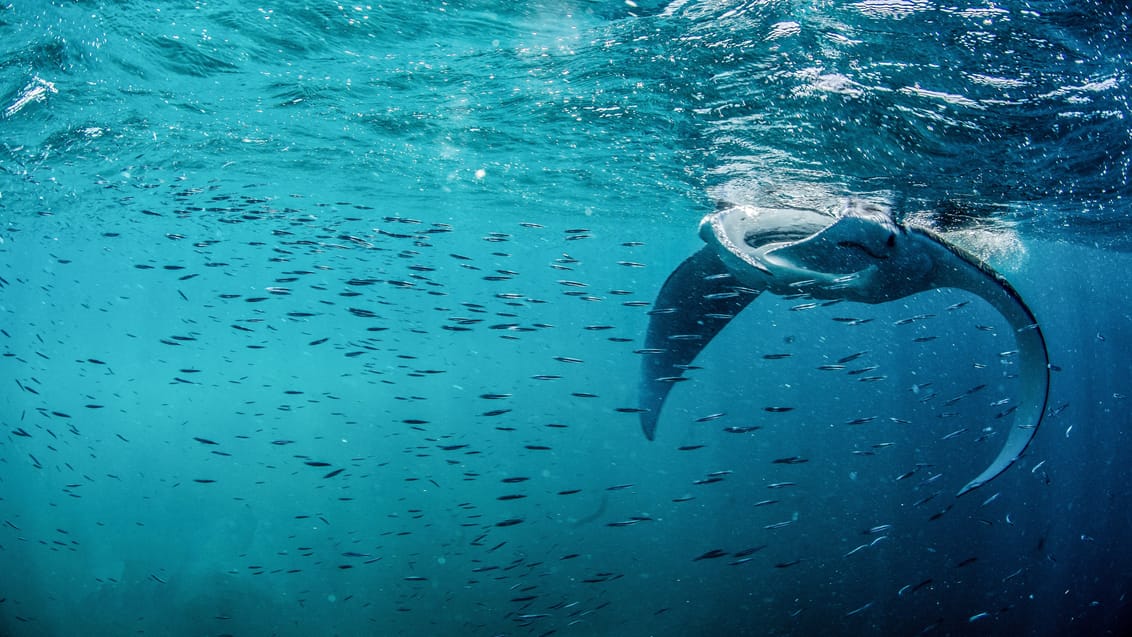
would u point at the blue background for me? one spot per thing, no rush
(245, 247)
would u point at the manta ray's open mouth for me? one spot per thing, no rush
(760, 238)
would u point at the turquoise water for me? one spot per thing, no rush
(324, 319)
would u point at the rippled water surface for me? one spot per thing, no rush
(326, 319)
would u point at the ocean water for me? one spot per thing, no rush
(324, 318)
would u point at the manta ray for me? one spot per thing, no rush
(859, 253)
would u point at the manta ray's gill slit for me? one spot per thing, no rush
(863, 248)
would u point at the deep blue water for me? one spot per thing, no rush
(317, 319)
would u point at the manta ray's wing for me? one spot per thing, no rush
(696, 302)
(958, 269)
